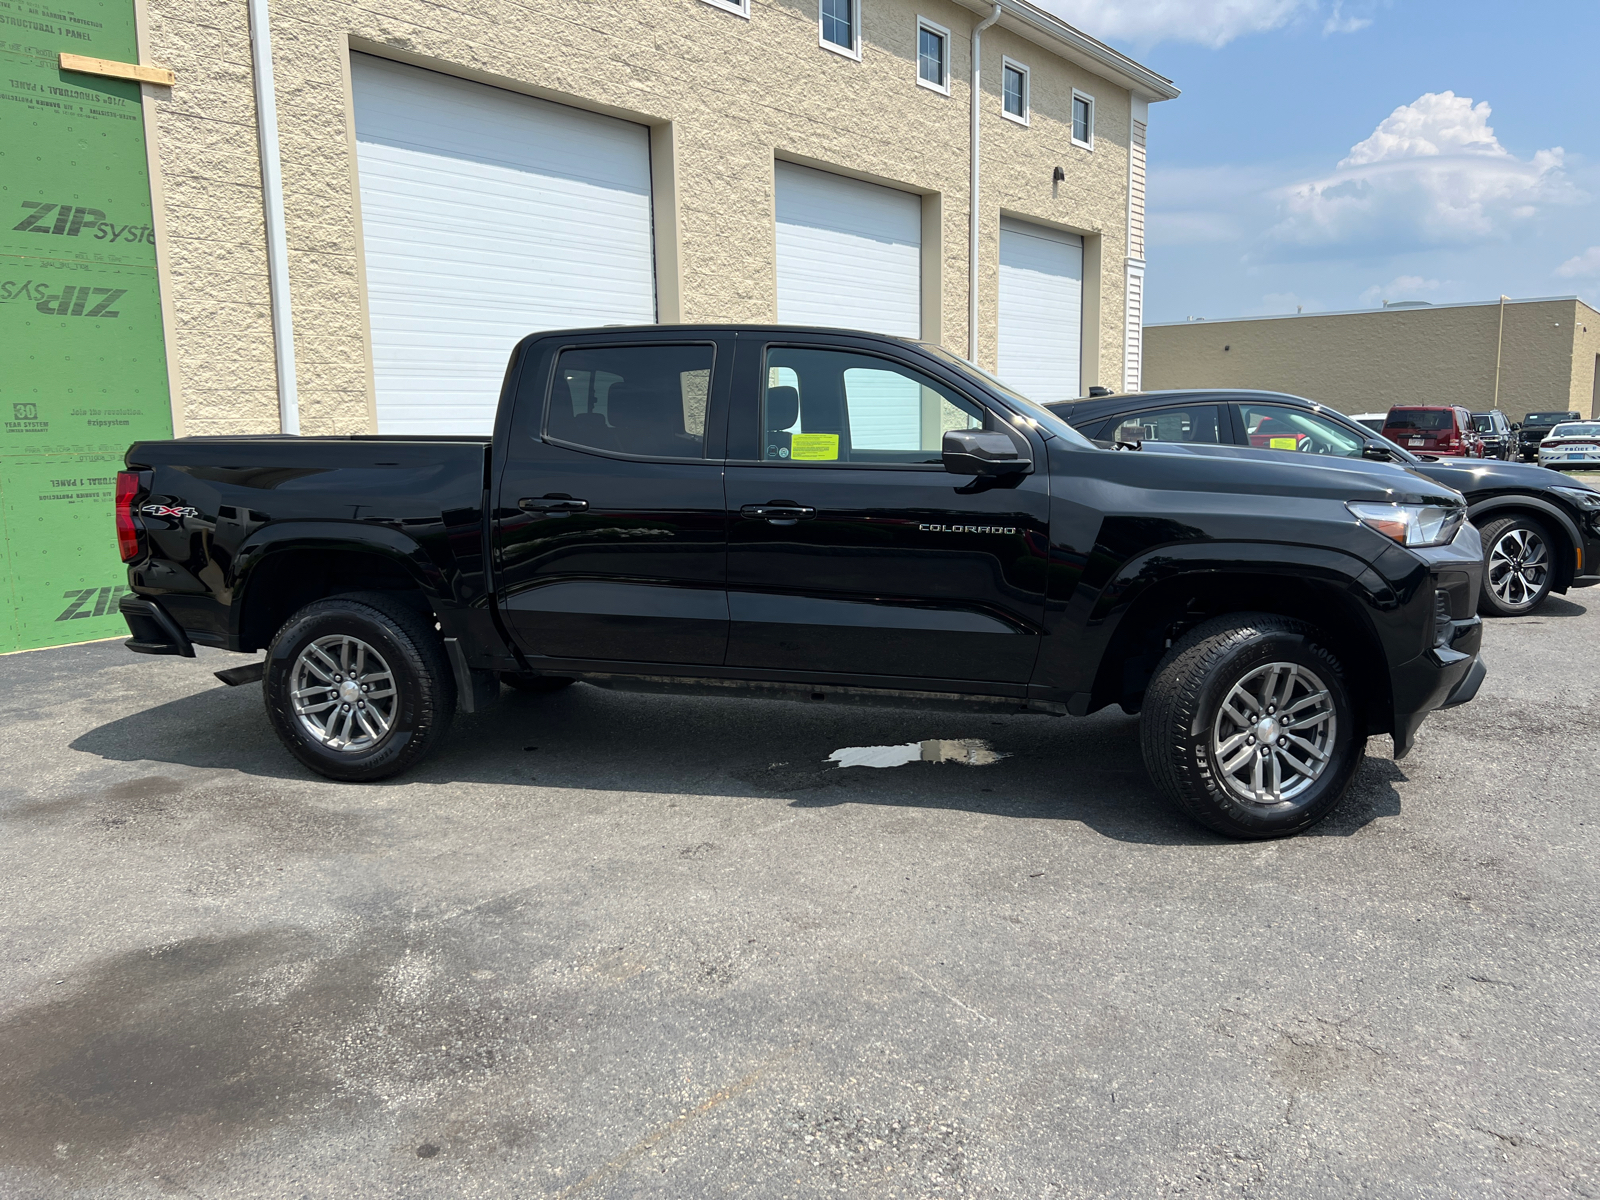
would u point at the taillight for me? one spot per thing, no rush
(127, 525)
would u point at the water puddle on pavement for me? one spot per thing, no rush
(971, 752)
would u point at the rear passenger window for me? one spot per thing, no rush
(648, 401)
(826, 406)
(1191, 423)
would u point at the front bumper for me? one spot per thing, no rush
(1449, 672)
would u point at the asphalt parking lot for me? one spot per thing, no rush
(608, 945)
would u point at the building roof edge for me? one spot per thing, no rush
(1367, 312)
(1139, 78)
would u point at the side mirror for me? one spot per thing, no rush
(977, 452)
(1377, 450)
(1516, 425)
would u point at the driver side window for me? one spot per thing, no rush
(840, 406)
(1277, 427)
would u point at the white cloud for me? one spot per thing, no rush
(1582, 265)
(1401, 287)
(1210, 22)
(1431, 172)
(1340, 22)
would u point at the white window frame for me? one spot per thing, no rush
(853, 51)
(1076, 96)
(739, 8)
(1011, 64)
(941, 32)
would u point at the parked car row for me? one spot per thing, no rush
(1541, 532)
(1558, 440)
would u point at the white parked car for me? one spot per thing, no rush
(1373, 421)
(1571, 444)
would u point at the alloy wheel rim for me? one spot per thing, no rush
(1273, 735)
(343, 694)
(1519, 567)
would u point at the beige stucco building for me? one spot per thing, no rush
(717, 106)
(1521, 356)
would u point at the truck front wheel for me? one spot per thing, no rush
(358, 687)
(1248, 726)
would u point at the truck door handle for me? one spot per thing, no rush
(779, 512)
(559, 505)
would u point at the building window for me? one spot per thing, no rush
(742, 7)
(1014, 91)
(1082, 120)
(841, 26)
(933, 56)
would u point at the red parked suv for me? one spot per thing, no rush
(1434, 430)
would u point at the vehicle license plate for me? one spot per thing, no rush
(1414, 442)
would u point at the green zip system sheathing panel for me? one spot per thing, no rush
(82, 367)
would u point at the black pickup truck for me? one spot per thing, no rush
(822, 516)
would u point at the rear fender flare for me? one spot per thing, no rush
(260, 550)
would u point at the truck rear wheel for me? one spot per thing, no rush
(358, 687)
(1248, 726)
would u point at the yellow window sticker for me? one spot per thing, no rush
(814, 447)
(1283, 443)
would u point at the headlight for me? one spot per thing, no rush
(1412, 524)
(1583, 498)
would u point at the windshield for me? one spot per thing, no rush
(1037, 413)
(1421, 418)
(1570, 430)
(1546, 418)
(1483, 422)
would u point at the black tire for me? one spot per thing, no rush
(1182, 722)
(535, 685)
(1518, 566)
(406, 643)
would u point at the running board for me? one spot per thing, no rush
(249, 673)
(822, 694)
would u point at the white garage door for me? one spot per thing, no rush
(1041, 310)
(487, 216)
(849, 253)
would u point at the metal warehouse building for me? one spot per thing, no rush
(1521, 356)
(453, 177)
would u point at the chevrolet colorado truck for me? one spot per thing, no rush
(821, 516)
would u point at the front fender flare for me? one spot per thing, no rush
(1352, 586)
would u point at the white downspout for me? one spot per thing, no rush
(972, 199)
(272, 205)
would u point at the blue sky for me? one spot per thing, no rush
(1333, 154)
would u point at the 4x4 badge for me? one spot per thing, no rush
(164, 510)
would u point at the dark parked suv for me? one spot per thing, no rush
(1541, 531)
(819, 516)
(1494, 428)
